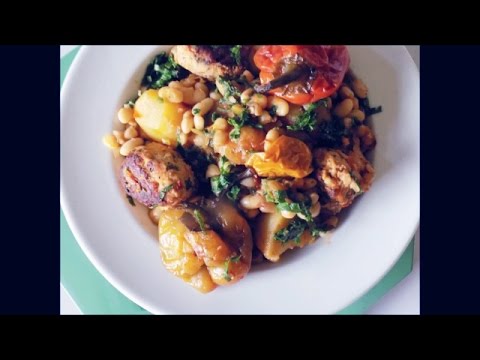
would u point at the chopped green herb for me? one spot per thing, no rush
(218, 184)
(292, 232)
(226, 266)
(230, 89)
(196, 111)
(279, 198)
(223, 181)
(224, 165)
(130, 200)
(161, 71)
(131, 102)
(244, 119)
(330, 133)
(307, 121)
(233, 193)
(196, 158)
(171, 166)
(199, 218)
(235, 133)
(163, 192)
(235, 51)
(317, 231)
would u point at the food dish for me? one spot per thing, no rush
(287, 259)
(244, 150)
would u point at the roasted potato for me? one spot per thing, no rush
(178, 255)
(205, 244)
(265, 228)
(157, 117)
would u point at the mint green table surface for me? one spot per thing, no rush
(95, 295)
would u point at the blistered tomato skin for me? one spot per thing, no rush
(286, 156)
(327, 66)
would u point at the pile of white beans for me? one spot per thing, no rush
(194, 92)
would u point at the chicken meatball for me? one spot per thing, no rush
(155, 174)
(342, 177)
(211, 61)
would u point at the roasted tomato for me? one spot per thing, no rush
(286, 156)
(301, 74)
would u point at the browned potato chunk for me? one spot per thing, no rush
(178, 255)
(205, 246)
(266, 227)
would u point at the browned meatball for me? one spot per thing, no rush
(342, 177)
(210, 61)
(155, 174)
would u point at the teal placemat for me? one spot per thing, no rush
(95, 295)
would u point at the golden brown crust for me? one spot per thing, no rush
(342, 177)
(207, 61)
(155, 174)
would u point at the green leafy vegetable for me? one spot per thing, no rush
(199, 218)
(279, 198)
(224, 180)
(196, 158)
(219, 183)
(130, 200)
(235, 51)
(317, 230)
(163, 192)
(307, 121)
(196, 111)
(235, 133)
(292, 232)
(244, 119)
(233, 193)
(161, 71)
(230, 89)
(330, 133)
(226, 266)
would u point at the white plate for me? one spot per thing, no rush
(322, 278)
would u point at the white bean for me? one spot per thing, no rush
(203, 107)
(125, 115)
(251, 202)
(130, 133)
(212, 171)
(130, 145)
(199, 122)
